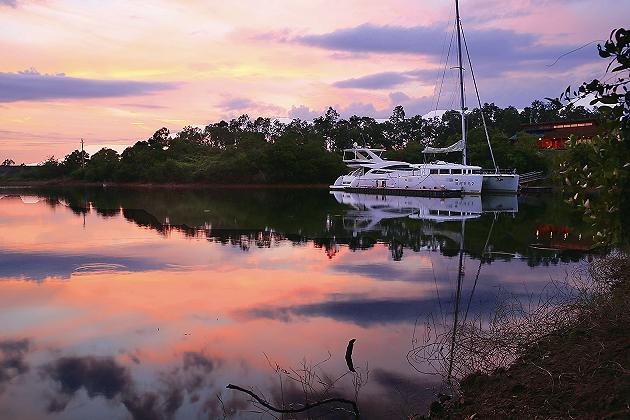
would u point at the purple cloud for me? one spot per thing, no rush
(241, 104)
(387, 80)
(502, 47)
(361, 109)
(413, 105)
(30, 85)
(303, 112)
(374, 81)
(355, 108)
(10, 3)
(372, 38)
(511, 68)
(236, 104)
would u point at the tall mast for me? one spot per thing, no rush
(461, 78)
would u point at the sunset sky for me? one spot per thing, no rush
(115, 71)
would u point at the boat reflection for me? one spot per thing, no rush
(368, 210)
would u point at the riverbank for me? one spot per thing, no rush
(579, 371)
(61, 183)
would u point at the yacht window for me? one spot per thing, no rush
(456, 171)
(376, 171)
(434, 171)
(476, 171)
(399, 168)
(357, 172)
(364, 156)
(443, 171)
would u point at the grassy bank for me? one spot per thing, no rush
(579, 370)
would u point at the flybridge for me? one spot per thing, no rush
(358, 156)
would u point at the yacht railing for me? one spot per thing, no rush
(499, 171)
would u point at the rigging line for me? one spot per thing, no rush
(453, 92)
(437, 76)
(460, 276)
(483, 118)
(437, 291)
(448, 55)
(479, 268)
(573, 50)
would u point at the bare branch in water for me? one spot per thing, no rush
(306, 407)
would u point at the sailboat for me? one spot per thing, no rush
(371, 173)
(498, 181)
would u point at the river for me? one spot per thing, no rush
(146, 303)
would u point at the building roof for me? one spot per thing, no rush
(562, 129)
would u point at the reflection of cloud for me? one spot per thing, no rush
(98, 376)
(378, 271)
(411, 393)
(12, 364)
(370, 311)
(106, 377)
(363, 312)
(40, 265)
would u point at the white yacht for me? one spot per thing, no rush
(372, 173)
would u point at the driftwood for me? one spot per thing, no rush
(305, 407)
(349, 355)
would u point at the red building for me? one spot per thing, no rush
(554, 134)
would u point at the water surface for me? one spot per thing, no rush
(138, 304)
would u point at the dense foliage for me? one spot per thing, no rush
(266, 151)
(596, 173)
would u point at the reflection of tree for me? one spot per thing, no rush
(265, 218)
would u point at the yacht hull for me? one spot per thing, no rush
(425, 192)
(500, 183)
(423, 185)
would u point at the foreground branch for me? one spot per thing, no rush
(306, 407)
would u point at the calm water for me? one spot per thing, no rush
(147, 303)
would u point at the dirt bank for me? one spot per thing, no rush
(581, 371)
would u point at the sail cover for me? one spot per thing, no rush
(455, 147)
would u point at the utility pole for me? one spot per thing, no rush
(82, 156)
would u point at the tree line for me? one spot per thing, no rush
(268, 151)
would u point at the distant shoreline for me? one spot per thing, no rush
(193, 185)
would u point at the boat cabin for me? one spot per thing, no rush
(433, 168)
